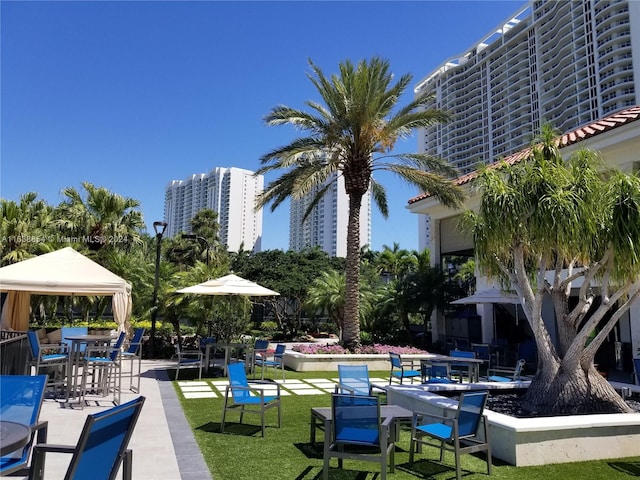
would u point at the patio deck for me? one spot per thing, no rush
(162, 443)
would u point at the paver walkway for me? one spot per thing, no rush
(312, 386)
(163, 444)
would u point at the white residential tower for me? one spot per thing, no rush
(231, 193)
(326, 225)
(567, 63)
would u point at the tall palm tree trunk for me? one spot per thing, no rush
(351, 331)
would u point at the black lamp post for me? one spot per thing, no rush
(159, 228)
(190, 236)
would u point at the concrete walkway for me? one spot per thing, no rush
(163, 444)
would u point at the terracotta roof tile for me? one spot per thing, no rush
(608, 123)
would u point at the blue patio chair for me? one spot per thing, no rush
(434, 372)
(208, 348)
(483, 352)
(459, 434)
(21, 399)
(277, 360)
(204, 342)
(354, 380)
(401, 370)
(54, 360)
(461, 368)
(104, 363)
(259, 354)
(101, 448)
(188, 359)
(500, 350)
(247, 398)
(72, 332)
(504, 374)
(357, 424)
(132, 353)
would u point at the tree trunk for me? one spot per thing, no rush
(351, 332)
(574, 392)
(404, 316)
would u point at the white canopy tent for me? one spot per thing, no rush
(63, 272)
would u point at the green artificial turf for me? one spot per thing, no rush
(285, 453)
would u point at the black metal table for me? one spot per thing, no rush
(13, 436)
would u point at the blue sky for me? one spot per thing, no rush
(132, 95)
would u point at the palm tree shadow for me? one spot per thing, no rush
(426, 469)
(311, 450)
(630, 468)
(230, 428)
(339, 473)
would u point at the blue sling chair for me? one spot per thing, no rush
(354, 380)
(101, 448)
(242, 395)
(357, 424)
(460, 434)
(132, 353)
(21, 399)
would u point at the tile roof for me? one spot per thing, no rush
(606, 124)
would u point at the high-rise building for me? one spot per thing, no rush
(231, 193)
(567, 63)
(326, 225)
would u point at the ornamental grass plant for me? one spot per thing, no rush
(286, 454)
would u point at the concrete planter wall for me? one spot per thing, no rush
(537, 441)
(302, 362)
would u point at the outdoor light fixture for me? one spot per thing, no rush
(190, 236)
(159, 228)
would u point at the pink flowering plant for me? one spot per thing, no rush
(334, 348)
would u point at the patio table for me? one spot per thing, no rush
(227, 348)
(473, 364)
(13, 436)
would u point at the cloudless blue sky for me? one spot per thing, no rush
(132, 95)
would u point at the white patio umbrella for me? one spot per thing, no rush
(491, 295)
(229, 285)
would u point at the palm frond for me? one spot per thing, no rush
(295, 183)
(379, 195)
(300, 150)
(422, 161)
(281, 114)
(449, 194)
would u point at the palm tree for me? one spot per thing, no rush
(104, 219)
(428, 289)
(353, 135)
(327, 293)
(24, 228)
(395, 261)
